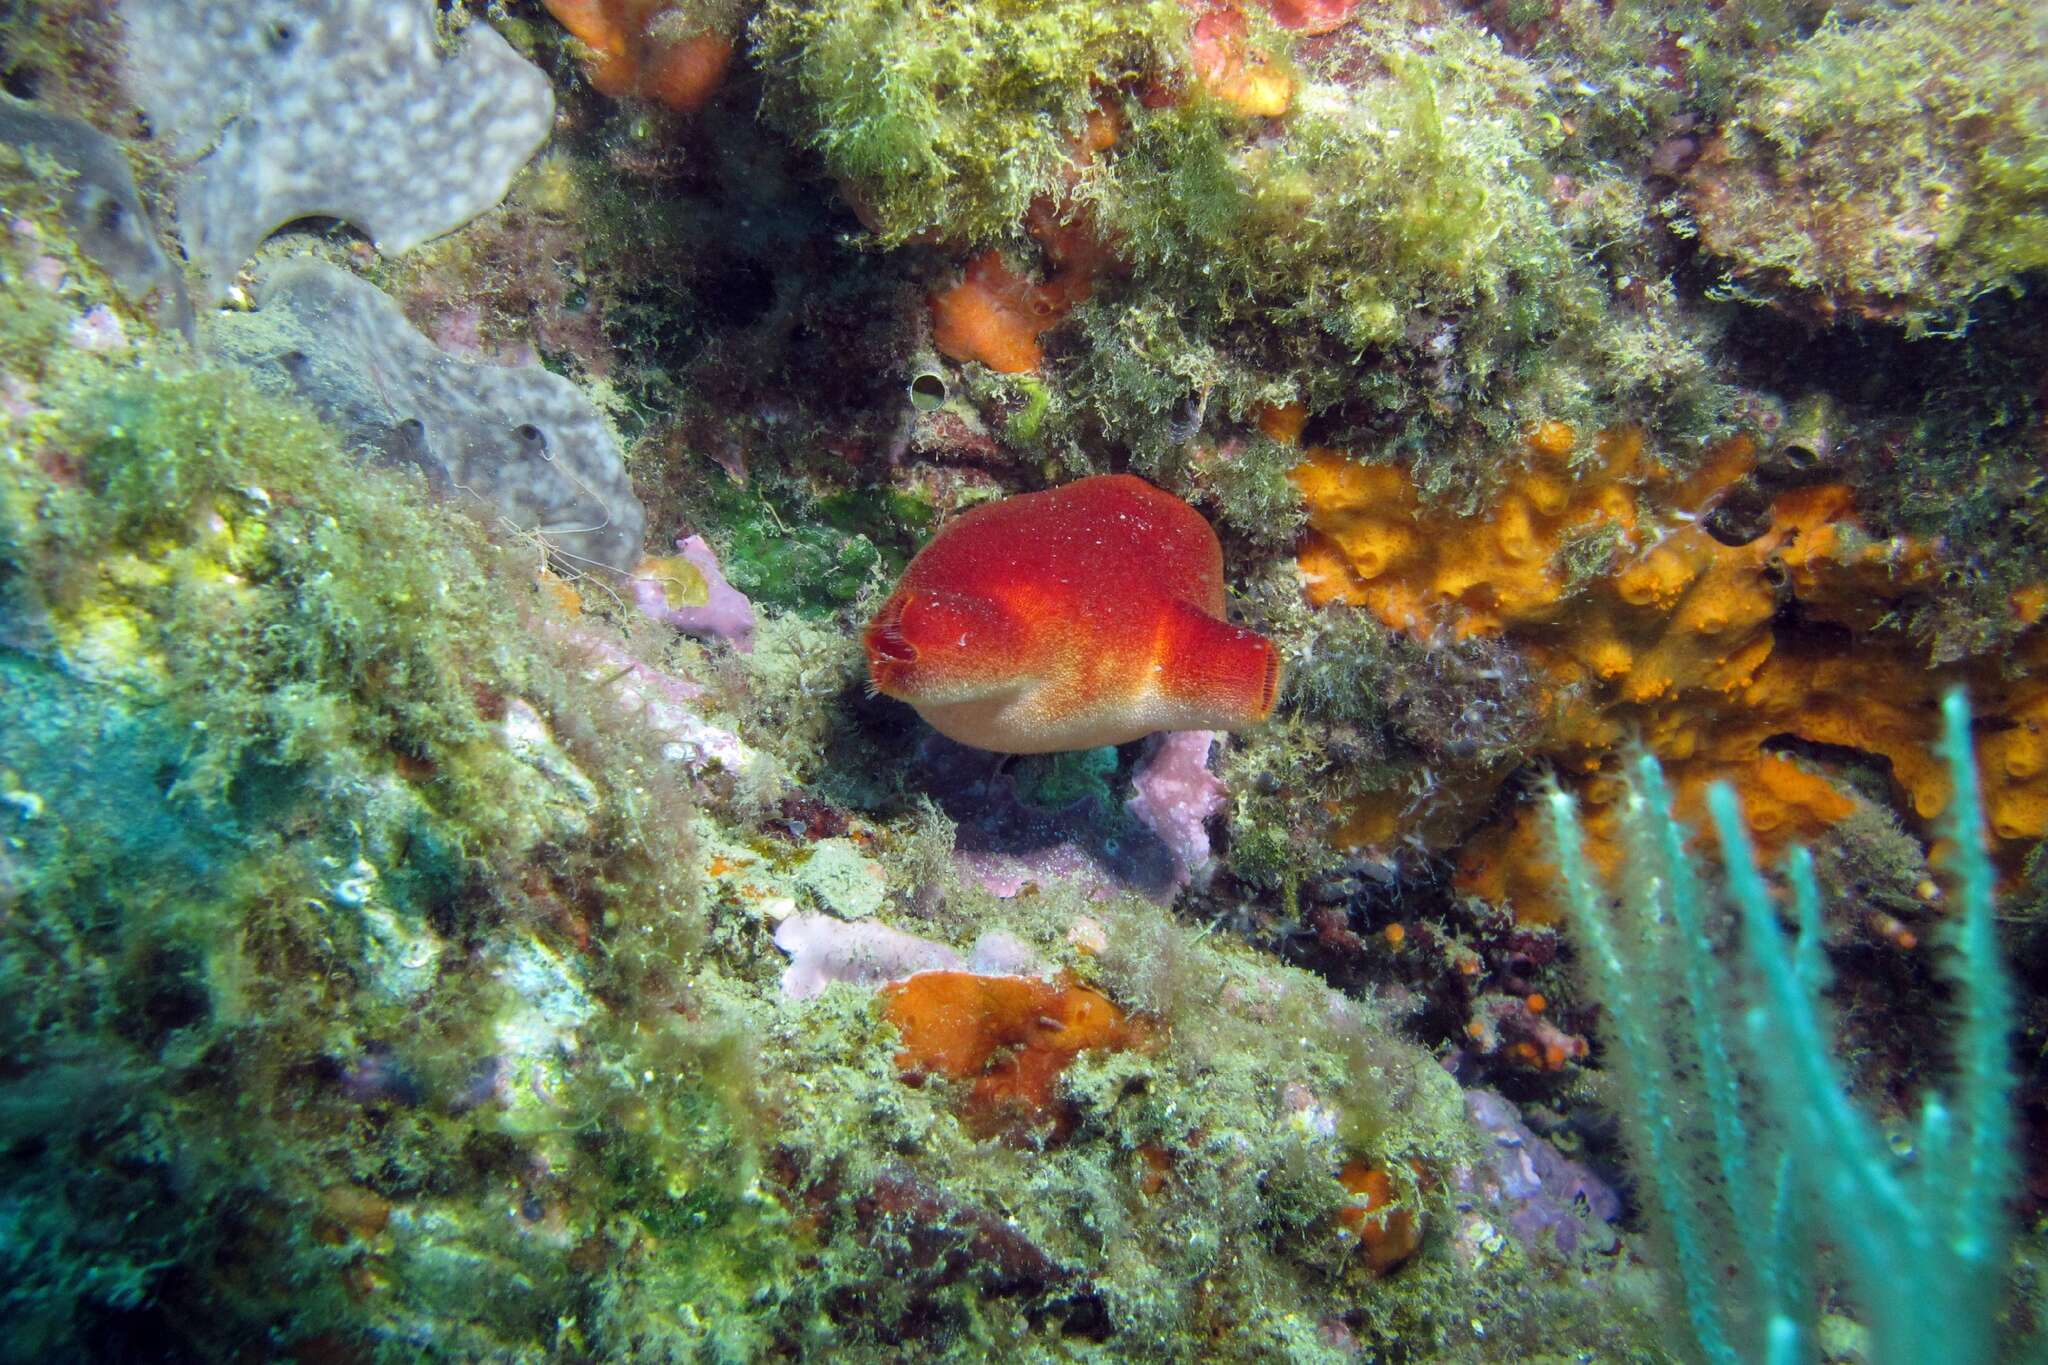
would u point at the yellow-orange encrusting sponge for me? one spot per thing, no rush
(1371, 543)
(1086, 615)
(1680, 642)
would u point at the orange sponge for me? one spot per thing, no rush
(647, 48)
(1679, 642)
(1242, 78)
(1011, 1036)
(1387, 1235)
(995, 316)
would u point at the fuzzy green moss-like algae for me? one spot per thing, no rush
(949, 120)
(263, 785)
(1915, 145)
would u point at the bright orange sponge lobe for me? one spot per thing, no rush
(1086, 615)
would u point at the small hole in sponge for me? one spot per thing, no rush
(411, 443)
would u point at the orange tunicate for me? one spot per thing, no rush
(1387, 1236)
(1229, 68)
(996, 316)
(647, 48)
(1010, 1036)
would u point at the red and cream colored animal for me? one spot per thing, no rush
(1085, 615)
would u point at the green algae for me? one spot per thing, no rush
(950, 121)
(784, 546)
(1919, 141)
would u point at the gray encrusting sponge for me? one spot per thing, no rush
(101, 206)
(288, 109)
(516, 443)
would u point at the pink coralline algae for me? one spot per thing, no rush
(1549, 1202)
(725, 615)
(1176, 794)
(1154, 846)
(667, 706)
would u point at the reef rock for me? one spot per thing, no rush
(290, 109)
(511, 442)
(101, 207)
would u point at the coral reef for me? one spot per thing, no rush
(421, 143)
(464, 936)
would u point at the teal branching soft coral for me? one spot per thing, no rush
(1746, 1199)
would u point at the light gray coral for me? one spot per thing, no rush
(348, 109)
(511, 442)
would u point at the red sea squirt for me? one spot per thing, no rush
(1085, 615)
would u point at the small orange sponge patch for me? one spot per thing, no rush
(1387, 1235)
(647, 48)
(1680, 640)
(995, 316)
(1011, 1036)
(1086, 615)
